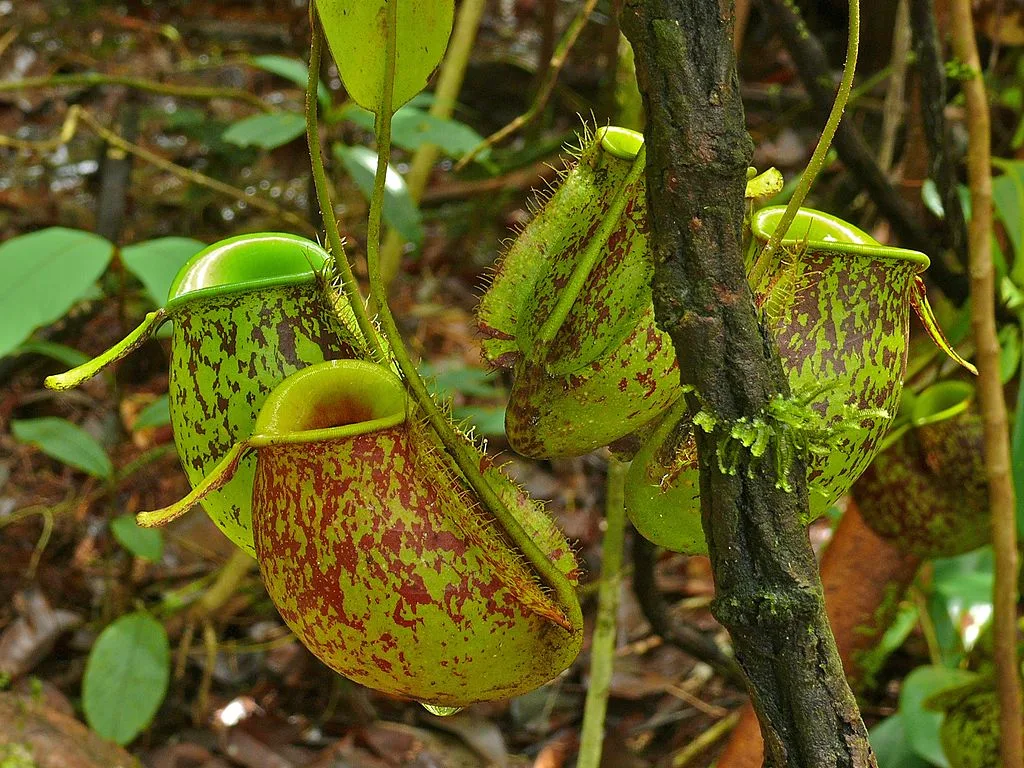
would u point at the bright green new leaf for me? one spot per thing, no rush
(400, 211)
(147, 543)
(126, 677)
(42, 275)
(156, 414)
(357, 33)
(266, 131)
(294, 70)
(61, 440)
(156, 262)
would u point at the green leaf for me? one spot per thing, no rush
(400, 211)
(72, 358)
(892, 750)
(922, 725)
(42, 275)
(357, 33)
(446, 380)
(156, 414)
(147, 543)
(411, 128)
(294, 70)
(156, 262)
(266, 131)
(126, 677)
(61, 440)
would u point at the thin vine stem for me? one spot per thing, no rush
(323, 194)
(602, 646)
(456, 446)
(817, 160)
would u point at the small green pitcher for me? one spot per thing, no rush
(381, 560)
(246, 313)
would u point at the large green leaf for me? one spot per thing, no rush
(61, 440)
(266, 131)
(292, 69)
(400, 211)
(156, 262)
(42, 275)
(126, 677)
(357, 33)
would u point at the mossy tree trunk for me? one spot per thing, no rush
(769, 595)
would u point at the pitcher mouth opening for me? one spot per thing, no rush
(823, 231)
(338, 398)
(248, 263)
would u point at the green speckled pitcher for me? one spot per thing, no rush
(838, 305)
(246, 313)
(381, 560)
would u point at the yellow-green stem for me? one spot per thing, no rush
(602, 647)
(454, 445)
(820, 151)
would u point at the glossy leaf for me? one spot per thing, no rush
(357, 34)
(400, 211)
(42, 275)
(126, 677)
(156, 262)
(61, 440)
(266, 131)
(146, 543)
(294, 70)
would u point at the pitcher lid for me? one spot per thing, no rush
(247, 263)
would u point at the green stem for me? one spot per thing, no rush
(602, 647)
(449, 83)
(456, 447)
(591, 254)
(323, 195)
(821, 150)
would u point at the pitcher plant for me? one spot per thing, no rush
(246, 312)
(379, 556)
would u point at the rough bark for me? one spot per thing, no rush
(769, 594)
(864, 576)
